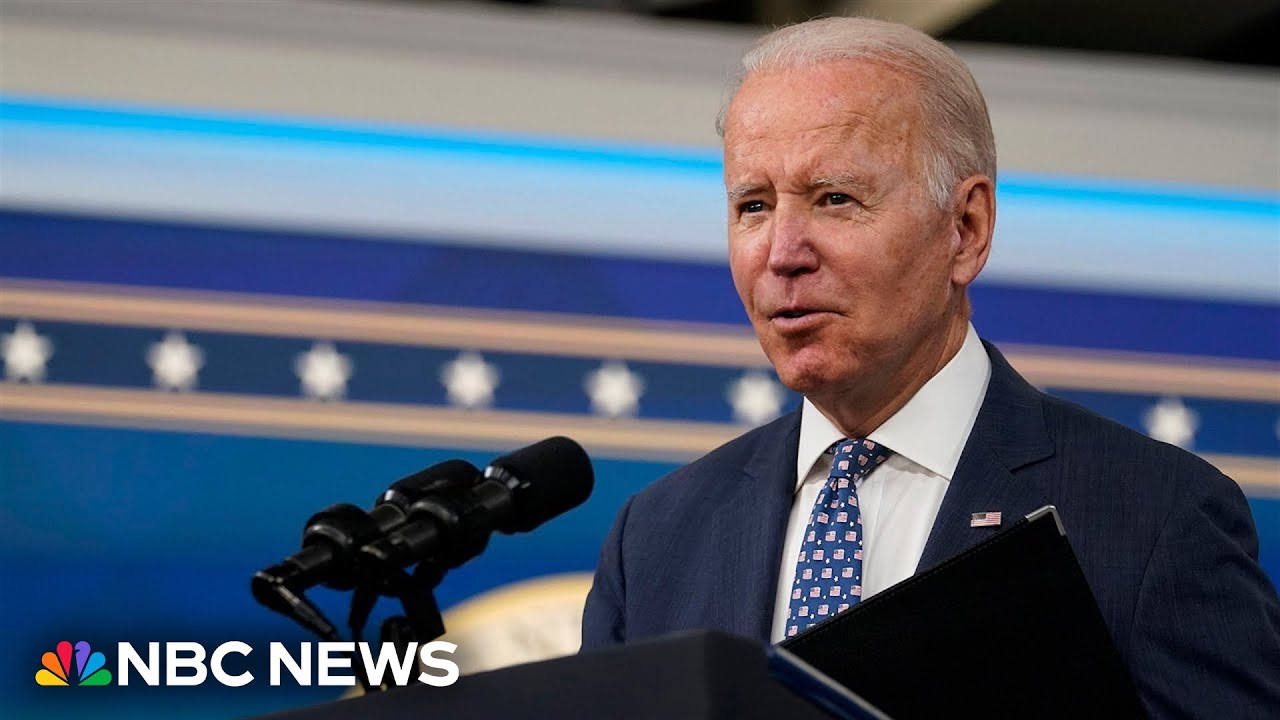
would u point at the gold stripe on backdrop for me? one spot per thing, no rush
(385, 423)
(382, 423)
(580, 335)
(393, 323)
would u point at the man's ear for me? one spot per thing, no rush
(974, 214)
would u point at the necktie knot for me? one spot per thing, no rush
(857, 457)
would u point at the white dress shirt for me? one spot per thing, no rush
(900, 499)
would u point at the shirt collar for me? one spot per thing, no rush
(930, 430)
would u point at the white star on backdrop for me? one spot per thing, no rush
(1172, 422)
(755, 398)
(174, 362)
(324, 372)
(25, 353)
(470, 381)
(614, 390)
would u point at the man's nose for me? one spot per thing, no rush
(791, 248)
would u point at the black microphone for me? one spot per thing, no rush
(333, 535)
(517, 493)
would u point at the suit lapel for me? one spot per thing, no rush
(750, 525)
(1009, 434)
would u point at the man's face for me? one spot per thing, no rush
(842, 262)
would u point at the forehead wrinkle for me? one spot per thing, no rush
(847, 178)
(806, 149)
(851, 124)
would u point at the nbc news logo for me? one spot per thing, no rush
(184, 663)
(89, 667)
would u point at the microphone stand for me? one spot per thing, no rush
(363, 598)
(421, 621)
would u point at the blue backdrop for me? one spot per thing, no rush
(129, 512)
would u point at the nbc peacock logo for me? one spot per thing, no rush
(90, 666)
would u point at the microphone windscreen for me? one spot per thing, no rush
(555, 476)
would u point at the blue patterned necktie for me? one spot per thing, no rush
(829, 568)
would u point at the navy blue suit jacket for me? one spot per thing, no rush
(1166, 541)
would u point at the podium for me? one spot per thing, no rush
(693, 676)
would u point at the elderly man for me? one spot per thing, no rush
(860, 171)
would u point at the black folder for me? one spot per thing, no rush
(1008, 628)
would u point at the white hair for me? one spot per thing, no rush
(958, 138)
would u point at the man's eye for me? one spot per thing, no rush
(838, 198)
(751, 206)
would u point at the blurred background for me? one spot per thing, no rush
(261, 256)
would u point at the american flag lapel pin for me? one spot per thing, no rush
(984, 519)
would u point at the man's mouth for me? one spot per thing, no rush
(791, 313)
(798, 320)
